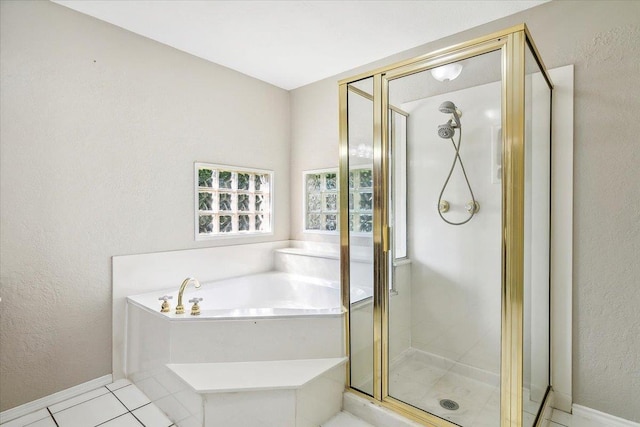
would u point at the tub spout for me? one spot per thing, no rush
(180, 307)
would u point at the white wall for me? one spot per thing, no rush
(314, 144)
(99, 130)
(456, 270)
(601, 38)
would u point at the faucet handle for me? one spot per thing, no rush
(165, 308)
(195, 308)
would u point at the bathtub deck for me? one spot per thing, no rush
(226, 377)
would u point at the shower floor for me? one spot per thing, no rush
(418, 379)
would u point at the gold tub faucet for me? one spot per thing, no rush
(180, 307)
(165, 303)
(195, 308)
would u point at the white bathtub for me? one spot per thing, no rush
(273, 294)
(271, 316)
(268, 316)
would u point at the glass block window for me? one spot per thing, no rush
(322, 200)
(232, 201)
(361, 200)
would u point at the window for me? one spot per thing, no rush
(322, 197)
(361, 200)
(321, 200)
(232, 201)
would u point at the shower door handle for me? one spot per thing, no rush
(386, 239)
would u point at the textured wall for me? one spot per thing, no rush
(602, 39)
(314, 128)
(99, 130)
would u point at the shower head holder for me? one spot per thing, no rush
(473, 207)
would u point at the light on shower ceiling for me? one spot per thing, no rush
(447, 72)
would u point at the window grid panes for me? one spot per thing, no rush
(322, 195)
(361, 200)
(321, 200)
(232, 201)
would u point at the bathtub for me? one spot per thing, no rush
(261, 317)
(272, 294)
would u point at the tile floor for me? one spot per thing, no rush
(119, 404)
(122, 404)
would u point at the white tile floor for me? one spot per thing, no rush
(345, 419)
(122, 404)
(119, 404)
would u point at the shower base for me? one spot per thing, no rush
(422, 380)
(415, 378)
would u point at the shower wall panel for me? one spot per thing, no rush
(455, 270)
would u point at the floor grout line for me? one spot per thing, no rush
(52, 416)
(128, 411)
(138, 419)
(111, 419)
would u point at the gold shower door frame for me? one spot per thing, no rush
(512, 43)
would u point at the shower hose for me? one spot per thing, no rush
(457, 158)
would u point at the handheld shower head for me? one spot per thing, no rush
(448, 107)
(446, 130)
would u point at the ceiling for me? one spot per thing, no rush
(292, 43)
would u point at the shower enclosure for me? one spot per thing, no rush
(453, 233)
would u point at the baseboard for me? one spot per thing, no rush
(602, 418)
(52, 399)
(562, 401)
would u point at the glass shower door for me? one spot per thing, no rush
(444, 218)
(537, 224)
(445, 313)
(359, 188)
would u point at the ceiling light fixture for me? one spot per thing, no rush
(447, 72)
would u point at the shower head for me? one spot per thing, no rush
(449, 107)
(446, 130)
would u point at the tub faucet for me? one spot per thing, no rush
(180, 307)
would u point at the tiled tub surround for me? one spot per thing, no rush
(155, 339)
(141, 273)
(144, 273)
(274, 316)
(281, 326)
